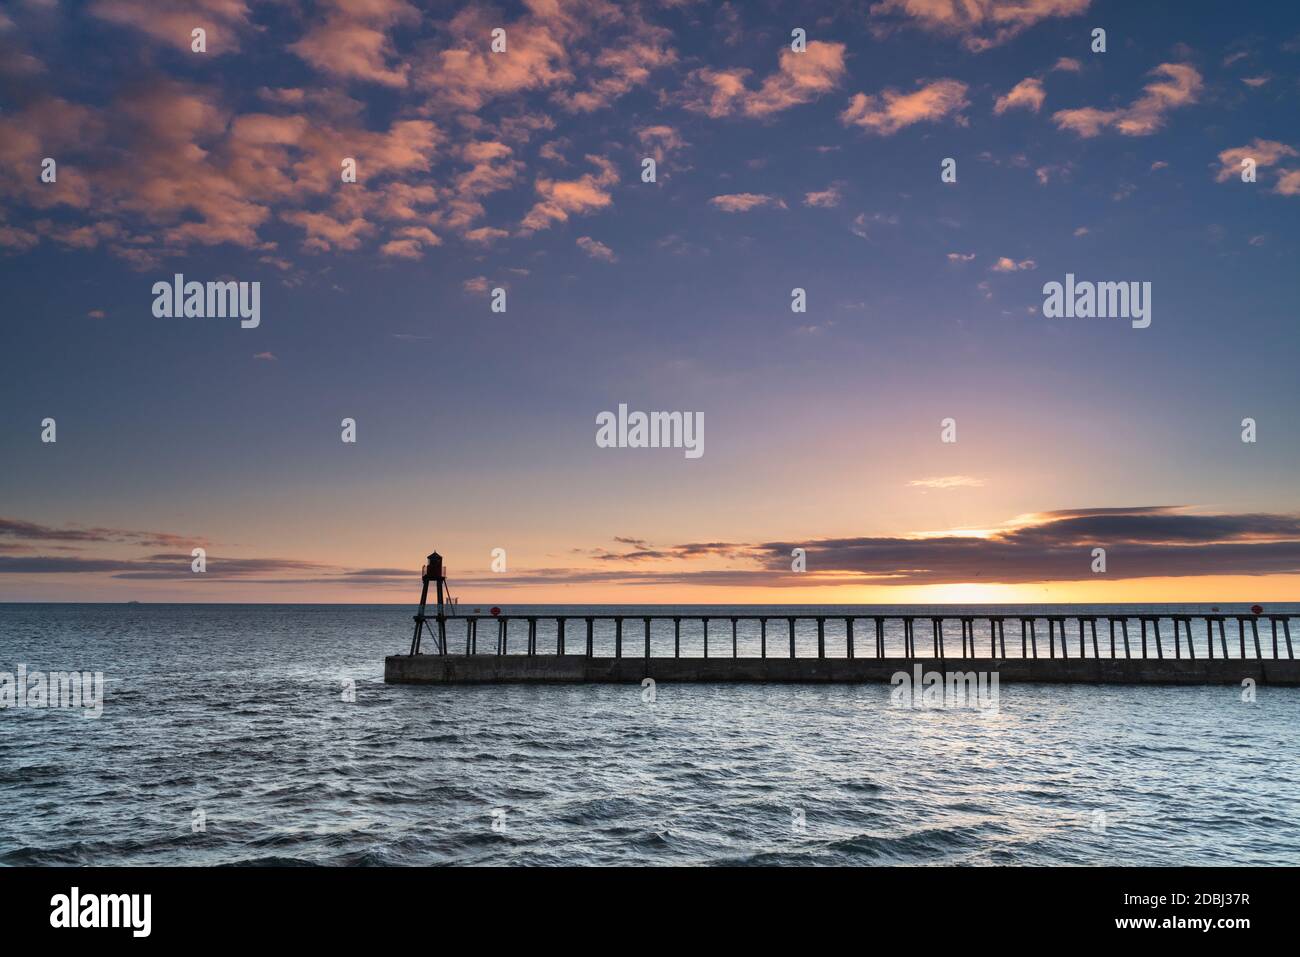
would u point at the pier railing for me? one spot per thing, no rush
(1178, 636)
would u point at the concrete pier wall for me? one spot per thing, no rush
(578, 669)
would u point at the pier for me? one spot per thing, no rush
(858, 646)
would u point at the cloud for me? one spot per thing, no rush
(625, 68)
(1180, 85)
(157, 166)
(492, 169)
(171, 21)
(351, 42)
(165, 165)
(554, 151)
(660, 140)
(947, 482)
(1288, 183)
(715, 93)
(893, 110)
(466, 75)
(161, 567)
(486, 235)
(1028, 94)
(325, 233)
(860, 222)
(411, 243)
(1005, 264)
(1056, 546)
(640, 550)
(825, 199)
(12, 528)
(744, 202)
(17, 240)
(799, 78)
(43, 126)
(1067, 64)
(264, 356)
(584, 54)
(477, 285)
(1141, 542)
(960, 257)
(1265, 153)
(561, 199)
(981, 24)
(1044, 173)
(596, 249)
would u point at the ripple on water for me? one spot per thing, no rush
(252, 731)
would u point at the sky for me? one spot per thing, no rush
(523, 170)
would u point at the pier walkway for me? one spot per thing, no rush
(1180, 649)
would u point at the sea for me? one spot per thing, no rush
(265, 735)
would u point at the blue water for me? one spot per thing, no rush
(239, 713)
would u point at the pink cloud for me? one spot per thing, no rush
(171, 21)
(491, 168)
(17, 240)
(620, 69)
(325, 233)
(1288, 183)
(981, 24)
(744, 202)
(715, 93)
(1006, 264)
(825, 199)
(609, 46)
(799, 78)
(352, 41)
(171, 155)
(1265, 153)
(486, 235)
(596, 249)
(561, 199)
(660, 140)
(894, 110)
(1180, 85)
(1028, 94)
(410, 243)
(47, 126)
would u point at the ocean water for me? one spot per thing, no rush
(237, 718)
